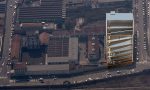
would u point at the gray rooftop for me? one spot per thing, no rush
(119, 16)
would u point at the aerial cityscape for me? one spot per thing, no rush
(74, 44)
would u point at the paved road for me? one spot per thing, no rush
(141, 29)
(88, 77)
(147, 6)
(7, 38)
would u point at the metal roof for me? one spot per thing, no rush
(72, 52)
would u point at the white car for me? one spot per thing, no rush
(118, 72)
(15, 7)
(12, 28)
(144, 47)
(16, 2)
(10, 6)
(14, 13)
(90, 79)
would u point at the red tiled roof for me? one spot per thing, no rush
(44, 38)
(15, 47)
(29, 25)
(20, 66)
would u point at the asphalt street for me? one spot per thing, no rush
(7, 37)
(148, 25)
(141, 30)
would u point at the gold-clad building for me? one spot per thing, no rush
(119, 38)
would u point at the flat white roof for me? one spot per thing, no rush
(119, 16)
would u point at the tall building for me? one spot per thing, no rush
(119, 38)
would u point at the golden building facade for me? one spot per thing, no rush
(119, 38)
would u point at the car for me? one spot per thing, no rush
(132, 70)
(66, 83)
(90, 79)
(137, 59)
(74, 81)
(14, 13)
(43, 22)
(16, 2)
(8, 62)
(3, 64)
(11, 6)
(8, 72)
(12, 28)
(118, 72)
(144, 47)
(137, 53)
(54, 78)
(12, 25)
(12, 31)
(97, 78)
(15, 7)
(41, 80)
(108, 73)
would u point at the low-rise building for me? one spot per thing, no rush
(20, 68)
(15, 47)
(38, 26)
(31, 42)
(62, 50)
